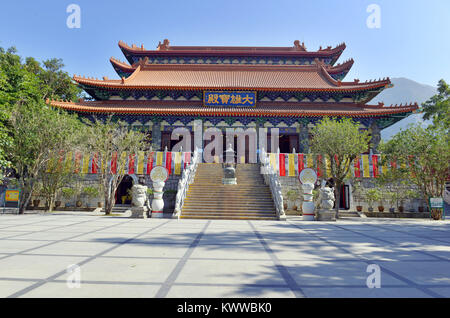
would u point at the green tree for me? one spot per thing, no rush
(422, 156)
(437, 108)
(109, 139)
(27, 123)
(340, 141)
(40, 133)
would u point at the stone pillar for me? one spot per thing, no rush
(376, 136)
(158, 202)
(308, 204)
(156, 136)
(303, 139)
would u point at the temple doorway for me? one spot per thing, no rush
(123, 193)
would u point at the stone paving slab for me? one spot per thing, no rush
(122, 257)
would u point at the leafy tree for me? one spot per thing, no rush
(422, 156)
(30, 130)
(112, 139)
(437, 107)
(341, 141)
(39, 134)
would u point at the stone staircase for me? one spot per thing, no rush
(119, 208)
(208, 198)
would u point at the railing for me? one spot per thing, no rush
(187, 178)
(271, 178)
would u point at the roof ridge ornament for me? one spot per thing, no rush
(163, 46)
(298, 46)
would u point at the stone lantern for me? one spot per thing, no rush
(229, 167)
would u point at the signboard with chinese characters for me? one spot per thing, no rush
(12, 195)
(437, 203)
(229, 99)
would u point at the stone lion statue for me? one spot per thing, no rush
(326, 198)
(139, 193)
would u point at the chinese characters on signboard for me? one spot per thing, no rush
(229, 99)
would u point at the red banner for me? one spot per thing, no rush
(169, 162)
(282, 165)
(357, 168)
(131, 163)
(78, 156)
(376, 172)
(114, 163)
(319, 165)
(94, 165)
(301, 163)
(150, 162)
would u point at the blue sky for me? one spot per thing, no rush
(413, 40)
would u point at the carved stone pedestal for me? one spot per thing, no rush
(139, 212)
(326, 215)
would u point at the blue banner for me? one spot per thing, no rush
(229, 99)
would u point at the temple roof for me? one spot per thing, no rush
(237, 77)
(123, 67)
(165, 49)
(262, 109)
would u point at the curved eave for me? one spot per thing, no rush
(121, 67)
(195, 109)
(344, 88)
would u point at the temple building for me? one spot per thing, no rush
(289, 88)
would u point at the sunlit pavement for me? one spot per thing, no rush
(121, 257)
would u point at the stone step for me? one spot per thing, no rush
(227, 217)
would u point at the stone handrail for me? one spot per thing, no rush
(187, 178)
(271, 178)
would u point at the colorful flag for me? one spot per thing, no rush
(301, 163)
(282, 158)
(291, 161)
(366, 167)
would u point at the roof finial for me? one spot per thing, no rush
(164, 46)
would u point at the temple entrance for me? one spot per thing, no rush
(288, 142)
(123, 193)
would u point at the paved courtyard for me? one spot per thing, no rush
(121, 257)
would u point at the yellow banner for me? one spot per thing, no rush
(384, 167)
(310, 161)
(328, 167)
(291, 160)
(273, 161)
(85, 168)
(159, 158)
(122, 163)
(177, 163)
(140, 165)
(366, 169)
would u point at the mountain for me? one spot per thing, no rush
(404, 91)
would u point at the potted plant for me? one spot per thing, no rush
(68, 193)
(90, 192)
(381, 200)
(358, 193)
(291, 195)
(372, 195)
(391, 198)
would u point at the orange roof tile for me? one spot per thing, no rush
(256, 77)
